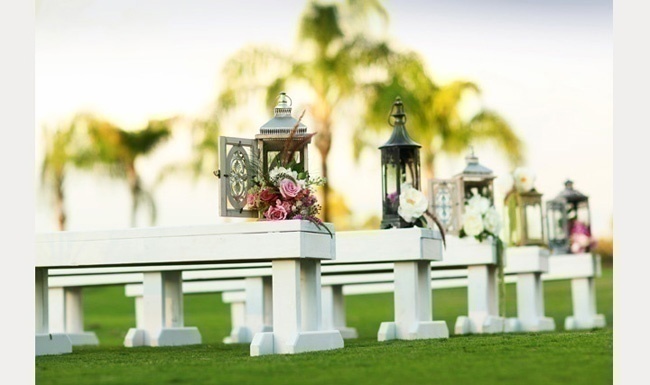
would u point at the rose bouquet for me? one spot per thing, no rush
(285, 193)
(481, 219)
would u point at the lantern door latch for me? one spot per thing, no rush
(218, 174)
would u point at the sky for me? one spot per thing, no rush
(545, 66)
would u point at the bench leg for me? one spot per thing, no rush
(482, 302)
(333, 311)
(583, 293)
(530, 306)
(66, 315)
(413, 315)
(238, 333)
(257, 311)
(161, 311)
(46, 342)
(296, 312)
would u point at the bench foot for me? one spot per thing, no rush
(266, 343)
(243, 335)
(421, 330)
(573, 323)
(490, 325)
(542, 324)
(347, 332)
(165, 337)
(53, 343)
(83, 338)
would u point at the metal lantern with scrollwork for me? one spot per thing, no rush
(448, 196)
(557, 225)
(400, 164)
(523, 219)
(239, 158)
(577, 217)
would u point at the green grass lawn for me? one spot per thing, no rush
(578, 357)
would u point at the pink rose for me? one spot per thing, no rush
(276, 213)
(267, 196)
(288, 188)
(250, 200)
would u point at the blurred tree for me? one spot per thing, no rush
(116, 151)
(433, 112)
(341, 62)
(62, 148)
(331, 48)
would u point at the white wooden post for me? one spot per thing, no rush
(482, 302)
(583, 294)
(296, 312)
(333, 311)
(162, 313)
(482, 286)
(255, 311)
(46, 342)
(528, 263)
(66, 315)
(413, 315)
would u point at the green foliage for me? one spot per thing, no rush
(581, 357)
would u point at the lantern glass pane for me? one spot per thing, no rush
(557, 225)
(443, 204)
(583, 213)
(390, 188)
(533, 221)
(410, 167)
(512, 221)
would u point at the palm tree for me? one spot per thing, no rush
(330, 52)
(62, 150)
(433, 114)
(116, 151)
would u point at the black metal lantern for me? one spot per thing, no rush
(400, 164)
(578, 215)
(448, 196)
(557, 226)
(237, 156)
(523, 220)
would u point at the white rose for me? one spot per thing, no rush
(478, 203)
(273, 174)
(412, 203)
(492, 221)
(524, 179)
(472, 223)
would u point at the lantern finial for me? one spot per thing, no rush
(399, 137)
(282, 122)
(568, 184)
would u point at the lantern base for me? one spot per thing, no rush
(397, 223)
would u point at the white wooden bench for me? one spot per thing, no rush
(249, 310)
(294, 248)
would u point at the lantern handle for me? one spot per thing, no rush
(391, 114)
(287, 96)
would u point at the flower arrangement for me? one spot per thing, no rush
(285, 193)
(481, 219)
(580, 237)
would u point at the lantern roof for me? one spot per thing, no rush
(399, 137)
(282, 121)
(571, 195)
(474, 168)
